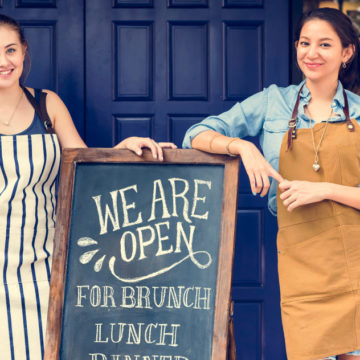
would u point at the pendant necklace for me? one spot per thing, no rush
(7, 122)
(316, 165)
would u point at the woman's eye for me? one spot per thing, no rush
(325, 45)
(304, 43)
(10, 50)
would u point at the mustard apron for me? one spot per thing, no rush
(319, 246)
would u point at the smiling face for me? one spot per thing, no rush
(320, 52)
(12, 54)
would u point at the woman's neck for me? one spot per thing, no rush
(323, 91)
(322, 95)
(9, 94)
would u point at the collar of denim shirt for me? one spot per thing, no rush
(337, 104)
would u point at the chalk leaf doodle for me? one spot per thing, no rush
(87, 256)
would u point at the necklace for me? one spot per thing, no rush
(316, 165)
(7, 122)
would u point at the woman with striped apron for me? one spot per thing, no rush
(29, 163)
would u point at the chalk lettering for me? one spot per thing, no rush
(101, 356)
(172, 334)
(132, 334)
(179, 191)
(161, 251)
(80, 296)
(182, 194)
(144, 297)
(126, 206)
(113, 215)
(128, 296)
(148, 331)
(205, 299)
(175, 299)
(198, 182)
(142, 243)
(121, 327)
(95, 296)
(98, 335)
(186, 297)
(162, 296)
(123, 253)
(108, 295)
(165, 212)
(98, 356)
(181, 237)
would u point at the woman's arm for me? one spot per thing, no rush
(297, 193)
(70, 138)
(256, 166)
(222, 134)
(62, 122)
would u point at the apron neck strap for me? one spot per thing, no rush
(40, 109)
(293, 120)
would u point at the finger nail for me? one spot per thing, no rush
(139, 152)
(254, 193)
(262, 196)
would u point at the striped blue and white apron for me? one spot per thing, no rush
(29, 165)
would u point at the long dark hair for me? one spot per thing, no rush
(349, 76)
(15, 26)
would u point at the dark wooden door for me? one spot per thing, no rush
(153, 68)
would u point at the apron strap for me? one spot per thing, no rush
(293, 120)
(349, 124)
(40, 109)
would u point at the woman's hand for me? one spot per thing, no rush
(297, 193)
(136, 144)
(256, 166)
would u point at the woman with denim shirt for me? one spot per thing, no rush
(310, 137)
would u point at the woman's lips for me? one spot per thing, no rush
(312, 65)
(6, 73)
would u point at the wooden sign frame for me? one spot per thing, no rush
(70, 158)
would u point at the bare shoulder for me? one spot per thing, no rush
(53, 102)
(52, 96)
(55, 107)
(62, 121)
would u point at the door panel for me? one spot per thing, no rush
(188, 66)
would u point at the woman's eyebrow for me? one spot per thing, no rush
(322, 39)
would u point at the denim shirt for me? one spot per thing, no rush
(267, 114)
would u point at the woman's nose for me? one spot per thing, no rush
(312, 51)
(3, 59)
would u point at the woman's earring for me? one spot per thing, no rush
(344, 65)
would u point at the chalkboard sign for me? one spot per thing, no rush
(143, 256)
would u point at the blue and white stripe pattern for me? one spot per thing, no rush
(29, 165)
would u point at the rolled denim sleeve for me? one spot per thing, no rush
(243, 119)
